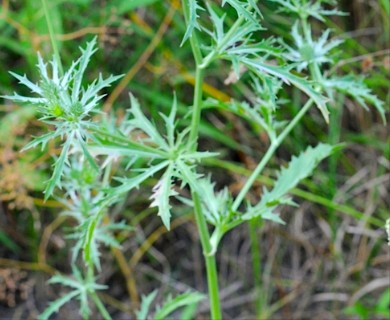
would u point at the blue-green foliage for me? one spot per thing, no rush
(64, 103)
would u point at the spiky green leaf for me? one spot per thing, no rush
(283, 74)
(162, 191)
(57, 304)
(82, 66)
(354, 86)
(134, 182)
(298, 169)
(243, 8)
(58, 170)
(141, 122)
(146, 302)
(305, 9)
(192, 19)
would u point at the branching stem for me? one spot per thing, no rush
(271, 150)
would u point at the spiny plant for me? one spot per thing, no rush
(90, 145)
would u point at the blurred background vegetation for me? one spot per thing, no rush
(330, 261)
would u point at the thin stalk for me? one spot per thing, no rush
(106, 176)
(90, 269)
(52, 37)
(255, 248)
(211, 266)
(199, 75)
(100, 306)
(197, 109)
(256, 262)
(334, 138)
(271, 150)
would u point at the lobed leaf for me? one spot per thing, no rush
(355, 87)
(19, 98)
(55, 305)
(298, 169)
(162, 191)
(41, 140)
(192, 22)
(306, 9)
(58, 170)
(217, 23)
(216, 205)
(142, 313)
(23, 80)
(243, 8)
(170, 123)
(143, 123)
(82, 63)
(188, 176)
(66, 281)
(283, 73)
(132, 183)
(114, 149)
(90, 98)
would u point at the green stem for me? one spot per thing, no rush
(52, 37)
(211, 265)
(100, 306)
(271, 150)
(199, 75)
(334, 138)
(197, 109)
(256, 262)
